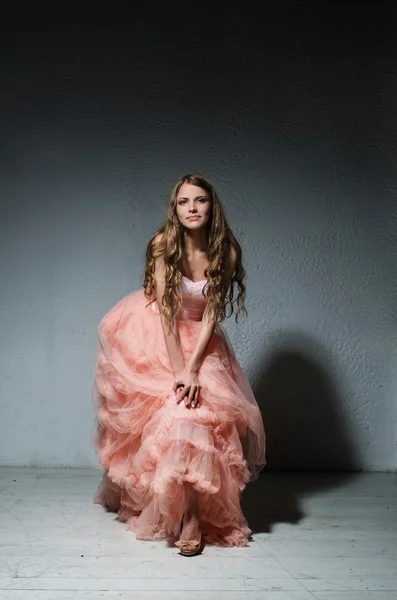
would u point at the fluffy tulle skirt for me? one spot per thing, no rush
(151, 448)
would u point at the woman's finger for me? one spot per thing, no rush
(191, 395)
(195, 401)
(179, 393)
(188, 397)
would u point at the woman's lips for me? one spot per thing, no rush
(192, 218)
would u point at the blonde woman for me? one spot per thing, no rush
(179, 433)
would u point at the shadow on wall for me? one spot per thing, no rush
(305, 431)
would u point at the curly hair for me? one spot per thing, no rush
(168, 242)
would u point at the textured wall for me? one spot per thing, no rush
(294, 122)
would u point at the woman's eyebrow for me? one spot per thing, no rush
(196, 198)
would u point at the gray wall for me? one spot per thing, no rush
(295, 122)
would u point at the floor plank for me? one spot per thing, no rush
(322, 536)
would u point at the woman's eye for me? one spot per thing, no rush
(202, 200)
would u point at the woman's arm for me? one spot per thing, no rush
(172, 340)
(203, 339)
(189, 377)
(208, 326)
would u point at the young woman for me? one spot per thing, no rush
(179, 432)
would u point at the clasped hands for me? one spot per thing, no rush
(187, 387)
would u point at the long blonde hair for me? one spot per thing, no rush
(219, 294)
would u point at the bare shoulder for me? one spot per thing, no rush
(233, 256)
(159, 266)
(157, 238)
(156, 245)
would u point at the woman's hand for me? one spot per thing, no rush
(187, 387)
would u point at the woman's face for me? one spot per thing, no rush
(193, 206)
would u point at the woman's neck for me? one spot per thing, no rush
(195, 241)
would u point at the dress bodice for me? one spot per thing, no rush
(193, 301)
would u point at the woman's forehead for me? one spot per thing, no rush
(189, 190)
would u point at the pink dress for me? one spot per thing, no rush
(149, 446)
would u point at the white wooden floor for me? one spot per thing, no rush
(316, 536)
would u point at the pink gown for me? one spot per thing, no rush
(149, 446)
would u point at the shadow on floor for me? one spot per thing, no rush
(309, 446)
(277, 497)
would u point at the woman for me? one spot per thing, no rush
(179, 432)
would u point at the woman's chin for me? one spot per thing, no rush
(195, 225)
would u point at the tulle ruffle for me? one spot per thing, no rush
(150, 447)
